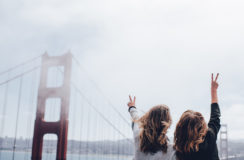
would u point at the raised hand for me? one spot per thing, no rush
(132, 102)
(214, 87)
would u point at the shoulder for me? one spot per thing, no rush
(211, 134)
(209, 140)
(170, 148)
(170, 152)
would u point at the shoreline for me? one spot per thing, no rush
(75, 154)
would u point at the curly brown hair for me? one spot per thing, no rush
(154, 125)
(189, 133)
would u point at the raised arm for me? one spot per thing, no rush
(214, 122)
(132, 108)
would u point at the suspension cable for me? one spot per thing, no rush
(19, 75)
(74, 125)
(17, 118)
(4, 113)
(87, 134)
(101, 92)
(81, 127)
(19, 65)
(30, 116)
(99, 113)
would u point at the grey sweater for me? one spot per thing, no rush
(170, 155)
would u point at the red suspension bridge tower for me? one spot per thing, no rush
(224, 142)
(60, 127)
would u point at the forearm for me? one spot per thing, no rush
(214, 96)
(133, 113)
(214, 122)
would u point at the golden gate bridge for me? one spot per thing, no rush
(57, 93)
(62, 109)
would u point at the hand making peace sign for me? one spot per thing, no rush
(214, 84)
(132, 102)
(214, 87)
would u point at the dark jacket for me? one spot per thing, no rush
(208, 149)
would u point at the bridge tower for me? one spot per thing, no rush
(60, 127)
(224, 142)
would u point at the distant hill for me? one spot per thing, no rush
(236, 147)
(125, 146)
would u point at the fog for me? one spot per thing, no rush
(160, 51)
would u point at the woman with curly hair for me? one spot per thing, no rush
(151, 141)
(193, 138)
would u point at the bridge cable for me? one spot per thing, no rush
(87, 133)
(74, 125)
(4, 113)
(99, 113)
(17, 118)
(19, 65)
(101, 92)
(19, 75)
(81, 122)
(30, 116)
(96, 110)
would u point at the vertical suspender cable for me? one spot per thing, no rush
(103, 146)
(113, 138)
(29, 119)
(100, 114)
(101, 92)
(3, 114)
(73, 126)
(17, 118)
(88, 128)
(118, 149)
(6, 92)
(81, 121)
(122, 143)
(95, 132)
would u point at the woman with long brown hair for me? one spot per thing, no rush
(193, 138)
(151, 141)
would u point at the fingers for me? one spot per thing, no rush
(216, 77)
(134, 100)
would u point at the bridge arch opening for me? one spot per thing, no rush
(52, 110)
(55, 77)
(49, 146)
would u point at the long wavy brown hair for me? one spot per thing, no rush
(189, 133)
(154, 125)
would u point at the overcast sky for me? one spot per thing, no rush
(160, 51)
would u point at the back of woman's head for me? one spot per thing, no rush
(190, 132)
(154, 125)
